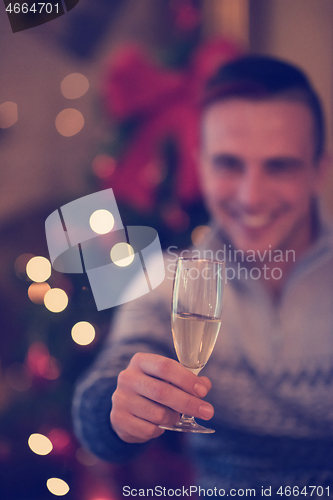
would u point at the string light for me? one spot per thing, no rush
(198, 234)
(57, 486)
(37, 291)
(20, 265)
(69, 122)
(41, 364)
(8, 114)
(18, 377)
(85, 457)
(38, 269)
(103, 166)
(74, 86)
(40, 444)
(122, 254)
(101, 221)
(60, 439)
(56, 300)
(6, 448)
(83, 333)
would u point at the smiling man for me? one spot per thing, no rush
(260, 173)
(269, 378)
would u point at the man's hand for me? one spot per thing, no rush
(154, 390)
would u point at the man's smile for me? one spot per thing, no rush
(258, 172)
(254, 222)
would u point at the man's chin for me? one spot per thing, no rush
(257, 242)
(253, 249)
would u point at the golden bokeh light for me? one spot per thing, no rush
(83, 333)
(122, 254)
(74, 86)
(198, 234)
(38, 269)
(101, 221)
(8, 114)
(40, 444)
(20, 265)
(37, 291)
(56, 300)
(57, 486)
(69, 122)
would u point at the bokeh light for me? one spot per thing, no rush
(198, 234)
(37, 291)
(103, 166)
(154, 173)
(18, 377)
(38, 269)
(41, 364)
(20, 265)
(60, 439)
(74, 86)
(122, 254)
(85, 457)
(69, 122)
(56, 300)
(39, 444)
(6, 449)
(83, 333)
(8, 114)
(101, 221)
(52, 370)
(57, 486)
(175, 217)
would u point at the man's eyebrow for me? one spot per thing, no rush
(284, 161)
(226, 158)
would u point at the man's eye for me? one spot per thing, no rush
(283, 166)
(228, 163)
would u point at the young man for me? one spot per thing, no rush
(270, 377)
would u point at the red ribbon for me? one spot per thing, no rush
(166, 105)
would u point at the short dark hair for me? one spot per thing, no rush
(260, 77)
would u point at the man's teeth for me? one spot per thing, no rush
(255, 220)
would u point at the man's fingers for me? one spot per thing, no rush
(206, 381)
(168, 395)
(137, 430)
(142, 418)
(173, 372)
(154, 390)
(151, 411)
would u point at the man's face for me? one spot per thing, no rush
(258, 172)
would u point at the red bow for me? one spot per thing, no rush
(166, 105)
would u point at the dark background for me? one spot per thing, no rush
(41, 170)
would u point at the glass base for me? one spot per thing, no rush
(187, 424)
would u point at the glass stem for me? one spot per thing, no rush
(187, 419)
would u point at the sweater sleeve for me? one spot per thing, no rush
(143, 325)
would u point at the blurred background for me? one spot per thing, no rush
(107, 96)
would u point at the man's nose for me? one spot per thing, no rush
(253, 190)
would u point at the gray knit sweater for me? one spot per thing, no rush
(271, 372)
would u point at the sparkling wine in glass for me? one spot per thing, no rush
(196, 312)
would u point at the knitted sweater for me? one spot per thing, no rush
(271, 373)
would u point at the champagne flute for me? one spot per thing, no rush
(196, 311)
